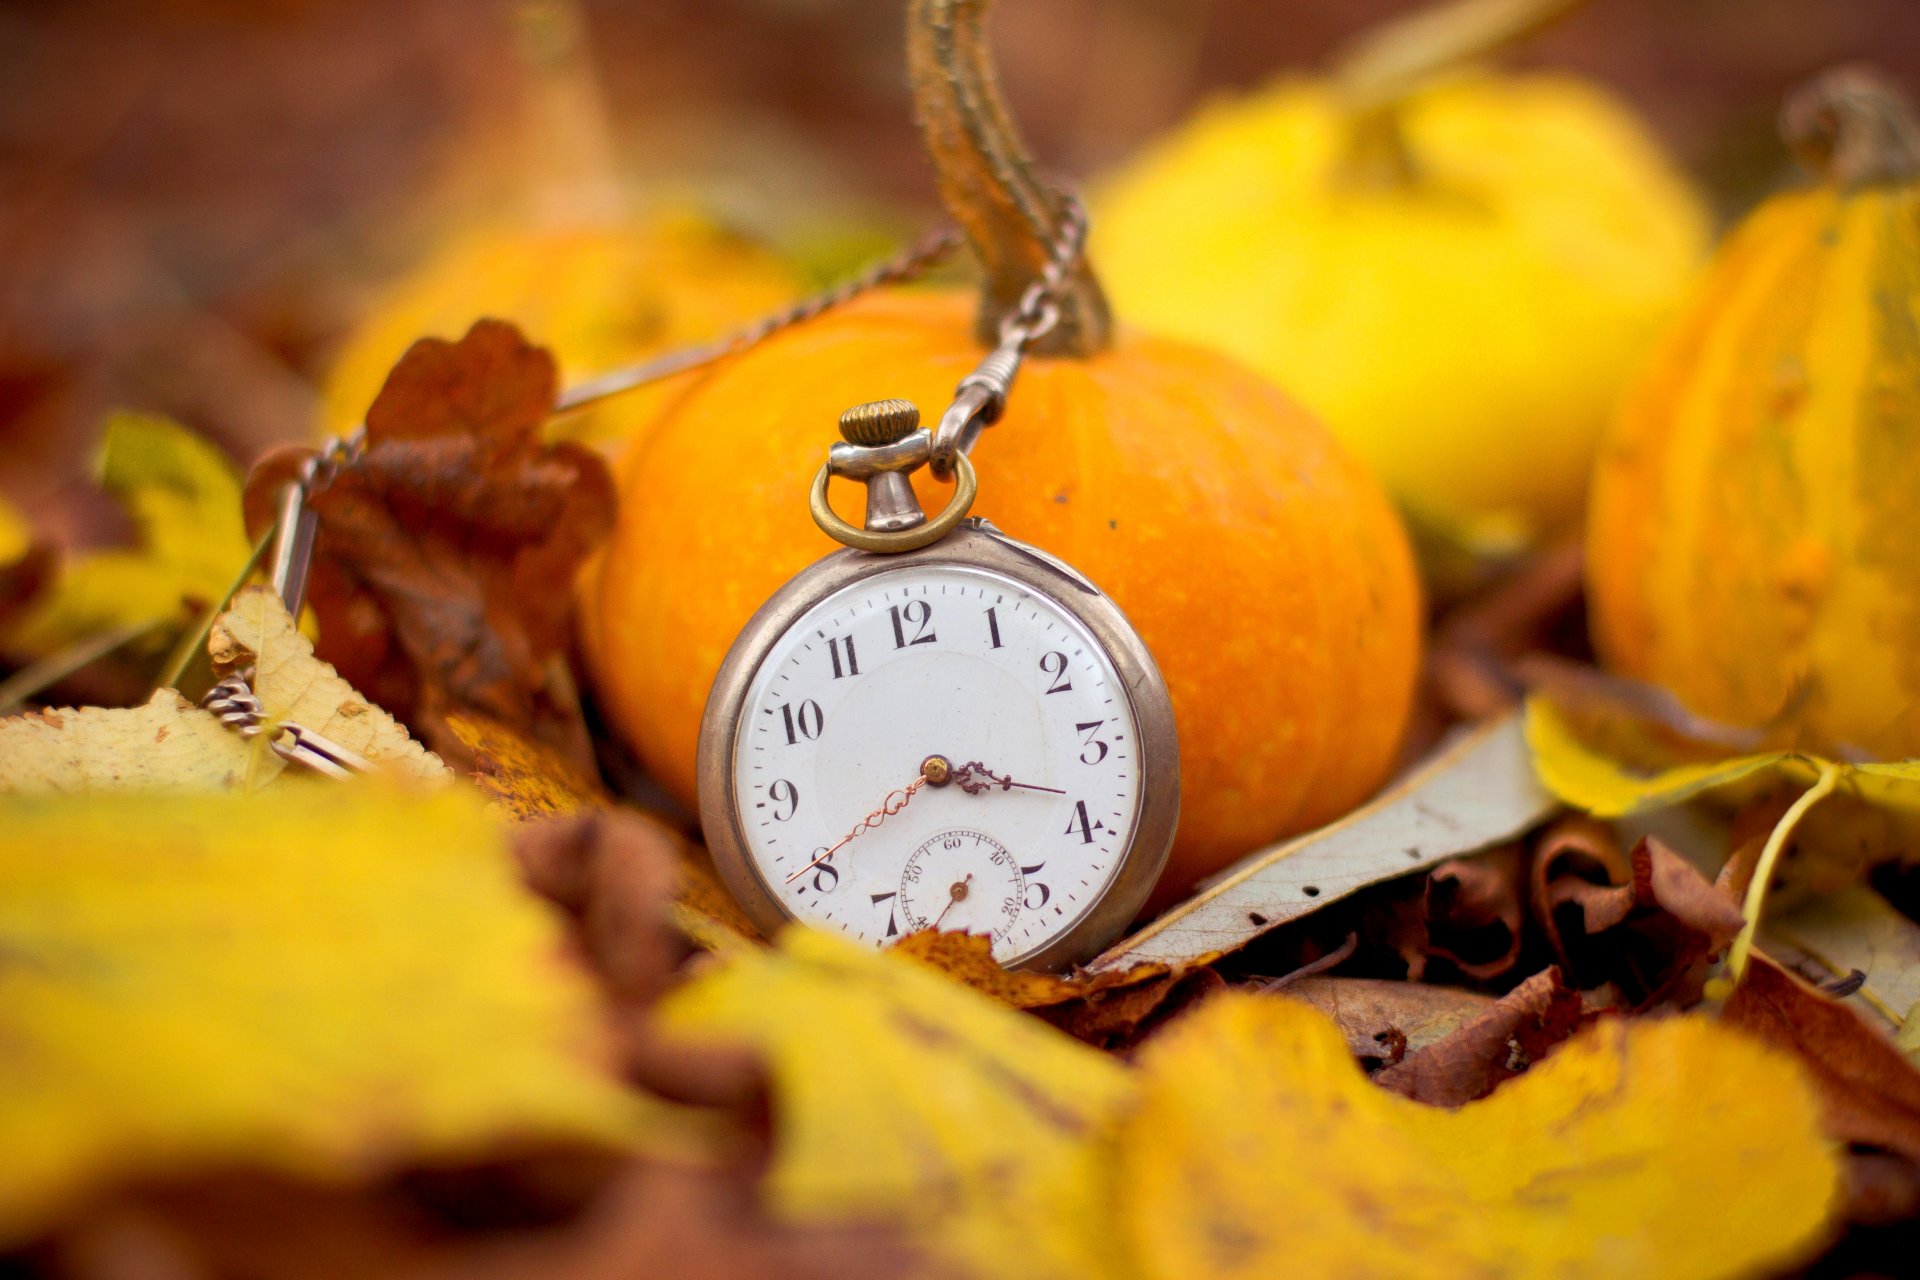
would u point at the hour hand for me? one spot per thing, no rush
(974, 777)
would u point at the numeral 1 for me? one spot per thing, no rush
(993, 627)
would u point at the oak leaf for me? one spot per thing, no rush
(1258, 1148)
(447, 550)
(184, 498)
(327, 982)
(901, 1095)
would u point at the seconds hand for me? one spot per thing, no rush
(935, 771)
(955, 893)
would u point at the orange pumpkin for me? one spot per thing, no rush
(1753, 531)
(1264, 567)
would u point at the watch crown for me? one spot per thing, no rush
(880, 422)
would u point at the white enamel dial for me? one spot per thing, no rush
(963, 663)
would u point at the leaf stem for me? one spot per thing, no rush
(1763, 873)
(195, 639)
(57, 666)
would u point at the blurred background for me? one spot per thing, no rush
(198, 200)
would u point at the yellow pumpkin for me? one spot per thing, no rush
(1754, 540)
(1456, 270)
(1265, 568)
(599, 296)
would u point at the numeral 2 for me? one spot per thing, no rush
(1055, 665)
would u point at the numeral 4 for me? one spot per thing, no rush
(1078, 824)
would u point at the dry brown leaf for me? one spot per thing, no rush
(1471, 794)
(1576, 864)
(1854, 930)
(523, 779)
(621, 879)
(1869, 1093)
(1474, 911)
(525, 1218)
(1111, 1010)
(615, 874)
(1519, 1029)
(1385, 1020)
(168, 743)
(257, 633)
(1656, 935)
(447, 553)
(690, 1224)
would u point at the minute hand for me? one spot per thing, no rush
(974, 777)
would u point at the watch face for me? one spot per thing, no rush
(981, 670)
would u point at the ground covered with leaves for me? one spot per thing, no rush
(474, 1015)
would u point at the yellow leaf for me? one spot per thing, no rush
(1656, 1151)
(904, 1096)
(184, 498)
(329, 982)
(1588, 779)
(524, 779)
(16, 535)
(168, 743)
(292, 684)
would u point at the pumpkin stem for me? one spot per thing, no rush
(566, 140)
(986, 179)
(1388, 64)
(1853, 128)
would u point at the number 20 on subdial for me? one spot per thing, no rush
(960, 663)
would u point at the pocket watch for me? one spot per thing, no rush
(940, 727)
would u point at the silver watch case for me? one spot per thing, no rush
(978, 544)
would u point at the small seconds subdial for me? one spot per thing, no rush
(970, 665)
(963, 880)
